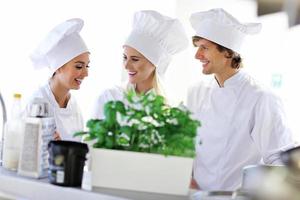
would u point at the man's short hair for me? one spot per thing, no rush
(236, 58)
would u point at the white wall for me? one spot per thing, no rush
(25, 23)
(271, 57)
(186, 70)
(107, 23)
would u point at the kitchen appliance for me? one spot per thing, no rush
(291, 158)
(268, 182)
(256, 177)
(39, 130)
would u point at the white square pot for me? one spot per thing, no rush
(141, 171)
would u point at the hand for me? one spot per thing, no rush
(194, 185)
(56, 136)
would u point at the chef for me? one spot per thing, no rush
(147, 51)
(243, 123)
(65, 54)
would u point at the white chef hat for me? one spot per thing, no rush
(157, 37)
(222, 28)
(62, 44)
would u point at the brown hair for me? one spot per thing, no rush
(236, 61)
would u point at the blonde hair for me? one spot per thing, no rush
(157, 86)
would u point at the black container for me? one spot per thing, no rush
(66, 162)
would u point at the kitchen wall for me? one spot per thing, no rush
(271, 57)
(107, 23)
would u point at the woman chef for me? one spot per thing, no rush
(65, 54)
(147, 52)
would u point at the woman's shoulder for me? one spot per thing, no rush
(109, 94)
(200, 87)
(41, 92)
(113, 93)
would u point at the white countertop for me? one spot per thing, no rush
(23, 188)
(38, 189)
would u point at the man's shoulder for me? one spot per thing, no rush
(254, 87)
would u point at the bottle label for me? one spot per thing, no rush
(60, 176)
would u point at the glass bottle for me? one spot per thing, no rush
(13, 135)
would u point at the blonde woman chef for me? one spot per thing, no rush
(153, 40)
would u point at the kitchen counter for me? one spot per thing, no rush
(39, 189)
(23, 188)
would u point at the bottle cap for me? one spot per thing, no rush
(17, 95)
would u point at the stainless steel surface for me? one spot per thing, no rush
(219, 193)
(212, 195)
(256, 177)
(4, 119)
(39, 108)
(291, 158)
(267, 182)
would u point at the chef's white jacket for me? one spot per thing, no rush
(68, 120)
(112, 94)
(242, 124)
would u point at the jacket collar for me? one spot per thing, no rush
(234, 83)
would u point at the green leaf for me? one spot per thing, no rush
(120, 107)
(89, 138)
(151, 126)
(91, 122)
(80, 133)
(100, 138)
(109, 142)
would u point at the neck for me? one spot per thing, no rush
(145, 85)
(222, 77)
(61, 94)
(143, 88)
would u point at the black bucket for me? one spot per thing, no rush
(66, 162)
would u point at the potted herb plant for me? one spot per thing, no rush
(143, 145)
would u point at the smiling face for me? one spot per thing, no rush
(213, 61)
(71, 74)
(140, 70)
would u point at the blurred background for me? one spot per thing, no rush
(271, 57)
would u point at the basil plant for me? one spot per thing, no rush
(144, 123)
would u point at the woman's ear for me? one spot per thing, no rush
(59, 70)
